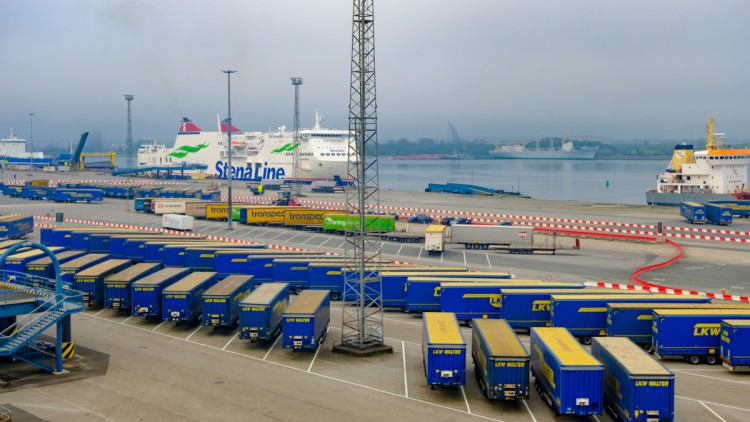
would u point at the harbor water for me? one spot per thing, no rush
(616, 181)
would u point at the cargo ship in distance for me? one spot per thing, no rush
(567, 151)
(717, 173)
(13, 152)
(256, 156)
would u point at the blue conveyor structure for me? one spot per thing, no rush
(36, 304)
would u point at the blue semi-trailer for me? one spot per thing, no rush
(740, 208)
(91, 280)
(117, 290)
(585, 316)
(735, 344)
(43, 267)
(16, 226)
(718, 214)
(146, 293)
(691, 334)
(261, 312)
(69, 269)
(17, 261)
(35, 192)
(155, 250)
(501, 363)
(118, 242)
(443, 350)
(78, 195)
(525, 308)
(221, 303)
(305, 321)
(693, 212)
(567, 377)
(181, 301)
(424, 294)
(260, 263)
(634, 320)
(636, 387)
(294, 271)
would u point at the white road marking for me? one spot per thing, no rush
(488, 260)
(714, 403)
(317, 350)
(399, 250)
(463, 393)
(227, 345)
(126, 319)
(272, 346)
(403, 355)
(100, 311)
(465, 264)
(157, 327)
(682, 371)
(529, 409)
(712, 411)
(196, 330)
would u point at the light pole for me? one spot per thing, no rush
(31, 140)
(229, 146)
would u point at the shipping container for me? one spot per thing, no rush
(78, 195)
(91, 280)
(693, 212)
(43, 267)
(69, 269)
(567, 377)
(305, 321)
(117, 289)
(443, 350)
(585, 316)
(718, 214)
(221, 303)
(181, 301)
(146, 293)
(16, 226)
(177, 222)
(300, 217)
(692, 334)
(261, 312)
(18, 260)
(735, 344)
(336, 223)
(501, 363)
(197, 209)
(424, 293)
(525, 308)
(169, 206)
(636, 387)
(264, 215)
(635, 320)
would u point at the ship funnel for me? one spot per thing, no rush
(683, 154)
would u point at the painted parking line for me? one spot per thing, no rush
(272, 346)
(317, 350)
(230, 341)
(529, 410)
(463, 393)
(712, 411)
(196, 330)
(126, 319)
(157, 327)
(682, 371)
(406, 383)
(728, 406)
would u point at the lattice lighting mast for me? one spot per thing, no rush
(296, 187)
(129, 141)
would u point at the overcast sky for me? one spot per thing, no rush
(493, 68)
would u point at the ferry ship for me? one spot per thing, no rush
(714, 174)
(13, 152)
(566, 152)
(256, 156)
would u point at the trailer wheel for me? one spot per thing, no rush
(585, 340)
(649, 348)
(335, 295)
(694, 359)
(297, 290)
(712, 359)
(470, 323)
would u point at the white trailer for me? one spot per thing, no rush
(435, 238)
(177, 222)
(514, 239)
(168, 206)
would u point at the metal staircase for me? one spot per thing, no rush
(53, 303)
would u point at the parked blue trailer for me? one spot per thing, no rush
(155, 250)
(233, 259)
(183, 300)
(294, 271)
(78, 195)
(261, 312)
(43, 267)
(16, 226)
(118, 243)
(567, 377)
(635, 320)
(94, 240)
(17, 261)
(69, 269)
(525, 308)
(201, 258)
(117, 287)
(693, 212)
(260, 263)
(740, 208)
(636, 387)
(501, 363)
(305, 321)
(14, 191)
(443, 350)
(735, 344)
(718, 214)
(585, 316)
(221, 303)
(35, 193)
(146, 293)
(91, 280)
(692, 334)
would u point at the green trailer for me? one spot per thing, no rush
(373, 223)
